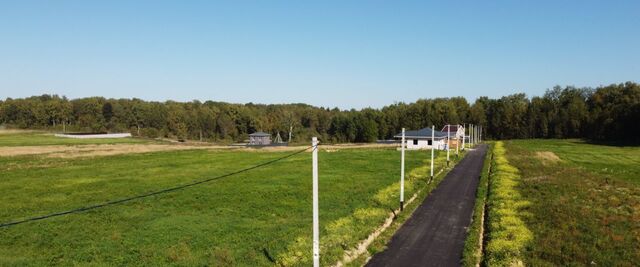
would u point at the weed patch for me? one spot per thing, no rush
(508, 236)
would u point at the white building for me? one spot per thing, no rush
(421, 139)
(259, 139)
(456, 132)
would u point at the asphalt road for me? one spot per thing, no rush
(435, 233)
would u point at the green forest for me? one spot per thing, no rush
(605, 114)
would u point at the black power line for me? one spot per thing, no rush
(167, 190)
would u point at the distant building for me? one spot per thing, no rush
(456, 133)
(421, 139)
(93, 135)
(259, 139)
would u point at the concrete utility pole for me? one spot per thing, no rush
(402, 173)
(433, 144)
(470, 135)
(448, 143)
(464, 136)
(290, 129)
(475, 135)
(316, 222)
(457, 142)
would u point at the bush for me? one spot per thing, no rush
(150, 132)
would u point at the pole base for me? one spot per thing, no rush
(401, 205)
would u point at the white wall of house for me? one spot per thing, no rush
(423, 144)
(460, 132)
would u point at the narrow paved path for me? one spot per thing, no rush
(435, 233)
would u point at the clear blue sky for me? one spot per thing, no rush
(327, 53)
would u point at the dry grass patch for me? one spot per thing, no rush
(92, 150)
(548, 157)
(16, 131)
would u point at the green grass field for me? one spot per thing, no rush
(584, 202)
(255, 218)
(42, 139)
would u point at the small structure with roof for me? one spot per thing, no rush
(259, 139)
(421, 139)
(455, 132)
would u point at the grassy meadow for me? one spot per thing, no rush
(261, 217)
(583, 202)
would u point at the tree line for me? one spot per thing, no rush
(607, 113)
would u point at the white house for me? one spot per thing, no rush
(456, 134)
(421, 139)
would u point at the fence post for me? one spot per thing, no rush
(316, 227)
(433, 144)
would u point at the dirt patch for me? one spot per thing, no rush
(548, 157)
(336, 147)
(92, 150)
(327, 148)
(64, 151)
(17, 131)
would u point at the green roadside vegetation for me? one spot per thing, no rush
(472, 253)
(507, 235)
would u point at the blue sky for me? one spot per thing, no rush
(349, 54)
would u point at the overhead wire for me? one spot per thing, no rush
(158, 192)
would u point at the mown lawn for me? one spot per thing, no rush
(250, 219)
(42, 139)
(584, 202)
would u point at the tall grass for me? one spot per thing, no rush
(508, 236)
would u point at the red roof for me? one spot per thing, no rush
(453, 128)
